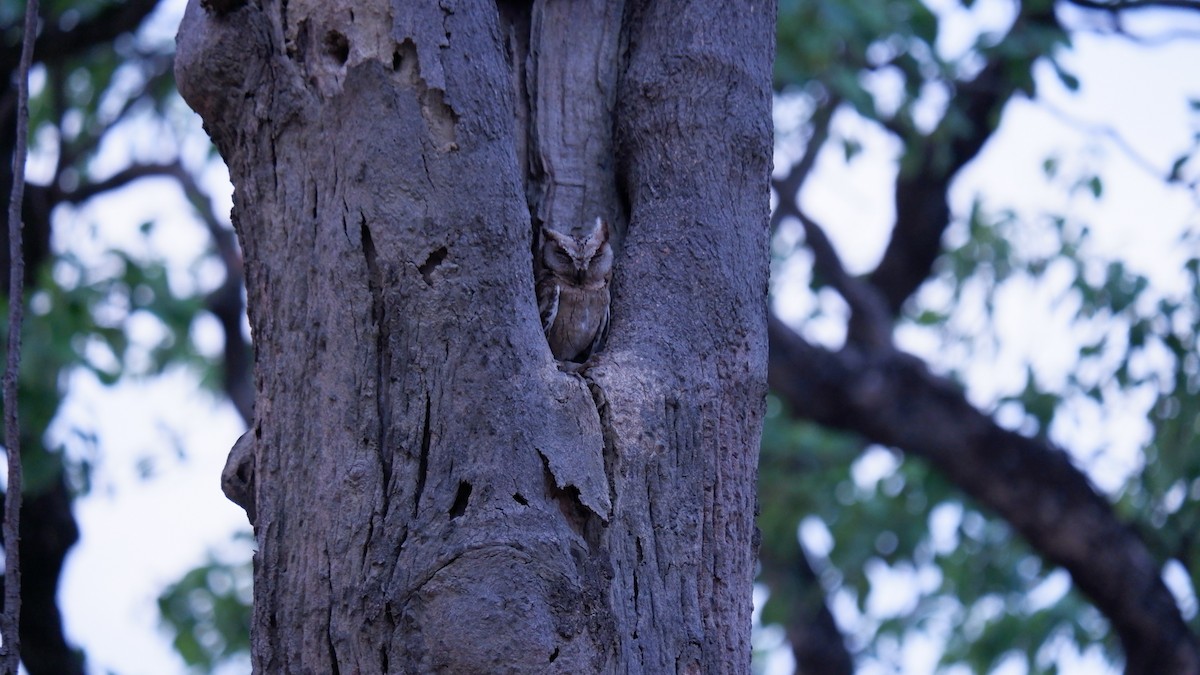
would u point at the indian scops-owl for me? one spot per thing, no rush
(572, 290)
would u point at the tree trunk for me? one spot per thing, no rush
(431, 492)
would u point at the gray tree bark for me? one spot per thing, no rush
(430, 492)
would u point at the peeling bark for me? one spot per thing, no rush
(432, 493)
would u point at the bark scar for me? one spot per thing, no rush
(431, 263)
(440, 119)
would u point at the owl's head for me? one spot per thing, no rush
(584, 258)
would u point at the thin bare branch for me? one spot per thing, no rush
(1114, 136)
(788, 187)
(119, 179)
(870, 321)
(1155, 40)
(16, 310)
(226, 302)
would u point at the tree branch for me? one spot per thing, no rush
(891, 398)
(55, 44)
(48, 531)
(1114, 136)
(787, 189)
(870, 325)
(16, 311)
(157, 68)
(817, 644)
(226, 302)
(1128, 5)
(120, 179)
(922, 212)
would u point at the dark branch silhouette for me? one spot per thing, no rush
(1131, 5)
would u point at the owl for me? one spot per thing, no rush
(572, 290)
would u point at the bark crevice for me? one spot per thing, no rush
(422, 460)
(383, 366)
(432, 262)
(331, 620)
(461, 499)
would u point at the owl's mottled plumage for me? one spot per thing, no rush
(572, 290)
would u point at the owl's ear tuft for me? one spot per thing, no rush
(558, 237)
(601, 229)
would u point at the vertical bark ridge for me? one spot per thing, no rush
(693, 154)
(570, 76)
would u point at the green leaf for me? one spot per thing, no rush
(1070, 81)
(850, 148)
(1050, 167)
(208, 612)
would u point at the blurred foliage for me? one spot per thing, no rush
(970, 583)
(207, 611)
(83, 324)
(960, 567)
(86, 296)
(100, 303)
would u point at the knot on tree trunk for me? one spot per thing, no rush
(237, 478)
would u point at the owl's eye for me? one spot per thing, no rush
(559, 256)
